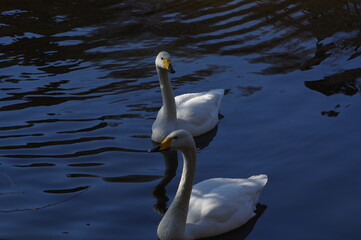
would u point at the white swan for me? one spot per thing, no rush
(195, 112)
(212, 207)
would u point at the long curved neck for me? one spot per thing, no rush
(173, 223)
(169, 108)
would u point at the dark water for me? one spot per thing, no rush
(79, 93)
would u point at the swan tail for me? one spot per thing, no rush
(261, 179)
(219, 93)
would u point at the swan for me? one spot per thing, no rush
(211, 207)
(195, 112)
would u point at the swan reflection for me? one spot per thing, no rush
(159, 192)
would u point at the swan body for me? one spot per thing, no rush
(211, 207)
(194, 112)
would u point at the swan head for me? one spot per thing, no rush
(176, 140)
(163, 61)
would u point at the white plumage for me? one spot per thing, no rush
(195, 112)
(220, 205)
(211, 207)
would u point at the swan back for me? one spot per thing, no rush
(198, 112)
(220, 205)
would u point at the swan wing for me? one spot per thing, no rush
(198, 112)
(220, 205)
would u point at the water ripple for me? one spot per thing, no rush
(79, 93)
(76, 154)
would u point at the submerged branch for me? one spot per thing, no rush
(45, 206)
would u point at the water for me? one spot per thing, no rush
(79, 94)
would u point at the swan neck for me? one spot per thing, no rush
(175, 218)
(186, 182)
(169, 108)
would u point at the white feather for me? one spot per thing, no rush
(220, 205)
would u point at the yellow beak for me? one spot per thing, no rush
(167, 65)
(165, 144)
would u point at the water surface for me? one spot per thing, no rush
(79, 94)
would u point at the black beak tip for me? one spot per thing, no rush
(156, 149)
(171, 69)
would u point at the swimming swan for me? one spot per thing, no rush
(195, 112)
(212, 207)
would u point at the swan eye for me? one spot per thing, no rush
(175, 138)
(161, 58)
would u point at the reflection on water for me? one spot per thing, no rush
(132, 178)
(276, 33)
(79, 92)
(346, 83)
(159, 191)
(67, 190)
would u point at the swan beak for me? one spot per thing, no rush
(168, 65)
(156, 149)
(165, 145)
